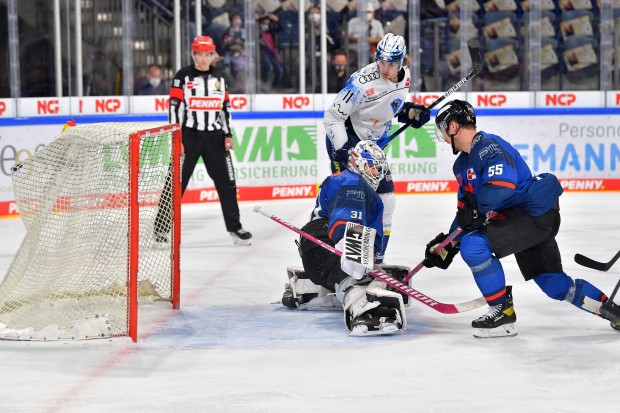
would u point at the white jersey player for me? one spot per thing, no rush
(364, 109)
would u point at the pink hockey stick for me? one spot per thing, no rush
(389, 280)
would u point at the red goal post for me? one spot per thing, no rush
(134, 213)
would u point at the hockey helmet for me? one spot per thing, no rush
(368, 160)
(391, 48)
(459, 110)
(203, 44)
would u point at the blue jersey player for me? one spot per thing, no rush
(348, 202)
(503, 209)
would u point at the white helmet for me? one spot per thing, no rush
(368, 160)
(391, 48)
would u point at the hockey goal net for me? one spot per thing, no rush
(92, 201)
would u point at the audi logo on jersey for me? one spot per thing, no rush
(198, 103)
(369, 78)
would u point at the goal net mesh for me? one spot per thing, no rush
(70, 276)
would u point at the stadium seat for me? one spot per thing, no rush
(500, 24)
(581, 63)
(576, 23)
(502, 62)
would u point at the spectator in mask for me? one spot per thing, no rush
(338, 75)
(272, 69)
(367, 26)
(151, 83)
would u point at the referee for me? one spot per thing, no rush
(199, 103)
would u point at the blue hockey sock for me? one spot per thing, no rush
(579, 293)
(487, 269)
(379, 258)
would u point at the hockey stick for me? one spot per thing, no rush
(441, 246)
(596, 265)
(476, 63)
(389, 280)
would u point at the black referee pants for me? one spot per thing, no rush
(218, 162)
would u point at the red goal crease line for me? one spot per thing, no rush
(262, 193)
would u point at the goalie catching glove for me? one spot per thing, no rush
(441, 259)
(357, 247)
(414, 114)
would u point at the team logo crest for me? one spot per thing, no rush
(396, 104)
(471, 175)
(370, 92)
(218, 85)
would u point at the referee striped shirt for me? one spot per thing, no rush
(199, 100)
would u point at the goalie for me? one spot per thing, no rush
(348, 214)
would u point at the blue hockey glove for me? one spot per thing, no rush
(414, 114)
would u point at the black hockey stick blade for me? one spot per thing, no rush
(596, 265)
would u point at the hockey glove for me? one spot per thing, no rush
(414, 114)
(467, 213)
(441, 259)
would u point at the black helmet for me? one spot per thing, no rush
(459, 110)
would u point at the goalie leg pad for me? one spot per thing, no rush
(383, 311)
(302, 294)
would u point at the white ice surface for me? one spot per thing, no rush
(229, 350)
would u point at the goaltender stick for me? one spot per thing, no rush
(348, 214)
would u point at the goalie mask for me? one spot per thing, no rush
(460, 111)
(368, 160)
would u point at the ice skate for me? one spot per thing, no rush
(290, 300)
(499, 321)
(373, 310)
(611, 311)
(301, 293)
(241, 237)
(380, 321)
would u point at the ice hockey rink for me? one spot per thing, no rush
(229, 349)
